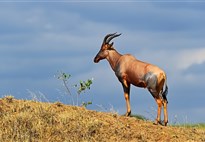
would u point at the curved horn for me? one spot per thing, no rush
(107, 36)
(111, 37)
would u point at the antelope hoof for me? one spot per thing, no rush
(157, 122)
(165, 123)
(128, 114)
(160, 122)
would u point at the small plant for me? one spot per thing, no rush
(64, 77)
(85, 104)
(82, 86)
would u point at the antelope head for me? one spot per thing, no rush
(106, 46)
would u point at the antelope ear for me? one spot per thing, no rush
(111, 46)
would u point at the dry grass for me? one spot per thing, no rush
(31, 121)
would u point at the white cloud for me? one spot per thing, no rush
(186, 58)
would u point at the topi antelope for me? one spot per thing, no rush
(129, 71)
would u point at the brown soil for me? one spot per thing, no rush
(22, 120)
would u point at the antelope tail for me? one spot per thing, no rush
(165, 91)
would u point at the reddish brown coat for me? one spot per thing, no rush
(129, 71)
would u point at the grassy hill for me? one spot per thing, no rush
(22, 120)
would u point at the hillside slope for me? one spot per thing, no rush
(22, 120)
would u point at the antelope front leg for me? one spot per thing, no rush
(127, 99)
(126, 88)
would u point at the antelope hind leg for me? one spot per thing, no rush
(158, 119)
(165, 113)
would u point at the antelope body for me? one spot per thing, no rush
(129, 71)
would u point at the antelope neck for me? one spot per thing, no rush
(113, 58)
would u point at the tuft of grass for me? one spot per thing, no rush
(189, 125)
(138, 116)
(59, 104)
(9, 98)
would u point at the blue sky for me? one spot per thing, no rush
(38, 39)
